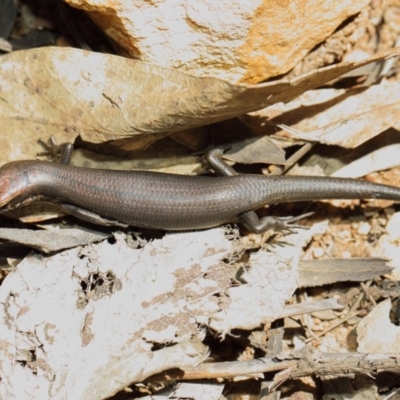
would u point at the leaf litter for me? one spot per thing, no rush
(192, 296)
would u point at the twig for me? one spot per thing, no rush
(295, 364)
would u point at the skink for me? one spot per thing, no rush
(174, 202)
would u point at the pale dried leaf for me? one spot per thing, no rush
(311, 306)
(101, 97)
(341, 117)
(376, 333)
(378, 160)
(324, 272)
(393, 227)
(388, 245)
(34, 211)
(187, 390)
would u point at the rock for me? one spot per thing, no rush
(240, 41)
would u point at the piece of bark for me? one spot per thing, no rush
(52, 240)
(86, 322)
(83, 323)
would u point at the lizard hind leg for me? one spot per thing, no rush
(279, 224)
(250, 219)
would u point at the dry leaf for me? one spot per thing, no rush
(378, 160)
(343, 117)
(388, 245)
(255, 150)
(69, 92)
(324, 272)
(189, 391)
(376, 333)
(312, 306)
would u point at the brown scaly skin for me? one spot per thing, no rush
(174, 202)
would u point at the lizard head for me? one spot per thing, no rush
(14, 183)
